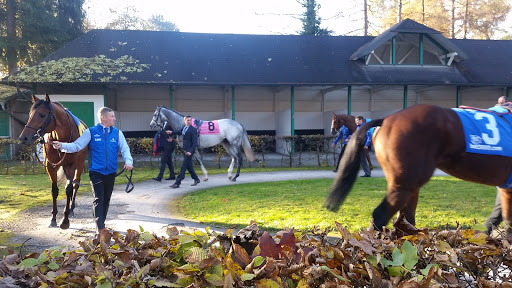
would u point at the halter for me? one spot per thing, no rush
(335, 122)
(157, 120)
(47, 122)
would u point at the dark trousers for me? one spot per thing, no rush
(187, 165)
(339, 157)
(364, 164)
(166, 160)
(495, 217)
(102, 187)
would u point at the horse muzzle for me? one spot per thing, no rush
(27, 140)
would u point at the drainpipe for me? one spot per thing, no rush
(349, 99)
(405, 96)
(171, 97)
(457, 100)
(233, 102)
(292, 116)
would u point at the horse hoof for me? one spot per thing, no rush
(64, 224)
(230, 177)
(205, 179)
(233, 180)
(71, 214)
(53, 223)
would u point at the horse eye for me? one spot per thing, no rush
(41, 115)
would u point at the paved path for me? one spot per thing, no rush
(147, 206)
(148, 203)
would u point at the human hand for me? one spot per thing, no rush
(188, 153)
(365, 147)
(168, 132)
(333, 145)
(128, 167)
(56, 145)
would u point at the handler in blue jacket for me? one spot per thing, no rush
(343, 135)
(104, 142)
(367, 141)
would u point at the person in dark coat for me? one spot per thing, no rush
(189, 133)
(169, 143)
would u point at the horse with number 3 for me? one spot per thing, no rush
(412, 143)
(229, 133)
(50, 121)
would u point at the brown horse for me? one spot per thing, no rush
(410, 145)
(338, 120)
(50, 121)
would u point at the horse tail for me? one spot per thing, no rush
(349, 167)
(247, 147)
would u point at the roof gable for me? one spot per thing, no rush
(409, 26)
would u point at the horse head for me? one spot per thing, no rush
(40, 117)
(158, 119)
(335, 124)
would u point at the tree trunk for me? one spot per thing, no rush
(11, 51)
(453, 19)
(365, 18)
(399, 11)
(465, 21)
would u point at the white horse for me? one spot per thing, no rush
(229, 133)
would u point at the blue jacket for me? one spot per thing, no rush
(368, 138)
(103, 151)
(343, 135)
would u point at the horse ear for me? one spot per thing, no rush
(46, 97)
(34, 98)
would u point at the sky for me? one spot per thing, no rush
(233, 16)
(240, 16)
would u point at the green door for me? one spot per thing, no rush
(5, 151)
(83, 110)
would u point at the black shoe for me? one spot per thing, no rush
(175, 185)
(366, 176)
(170, 178)
(157, 179)
(196, 182)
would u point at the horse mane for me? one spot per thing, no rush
(46, 104)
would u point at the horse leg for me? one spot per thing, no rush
(229, 148)
(239, 162)
(506, 209)
(52, 172)
(205, 173)
(398, 198)
(64, 224)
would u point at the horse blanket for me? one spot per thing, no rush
(487, 133)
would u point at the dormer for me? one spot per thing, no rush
(409, 43)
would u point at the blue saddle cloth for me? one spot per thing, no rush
(77, 121)
(487, 133)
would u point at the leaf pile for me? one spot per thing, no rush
(401, 257)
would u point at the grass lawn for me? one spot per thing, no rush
(298, 204)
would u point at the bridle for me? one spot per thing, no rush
(47, 122)
(40, 135)
(157, 120)
(335, 124)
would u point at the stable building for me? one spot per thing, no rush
(272, 84)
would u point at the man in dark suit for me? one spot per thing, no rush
(189, 133)
(169, 144)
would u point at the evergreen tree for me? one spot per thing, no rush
(39, 28)
(310, 21)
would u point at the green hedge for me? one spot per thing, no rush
(294, 147)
